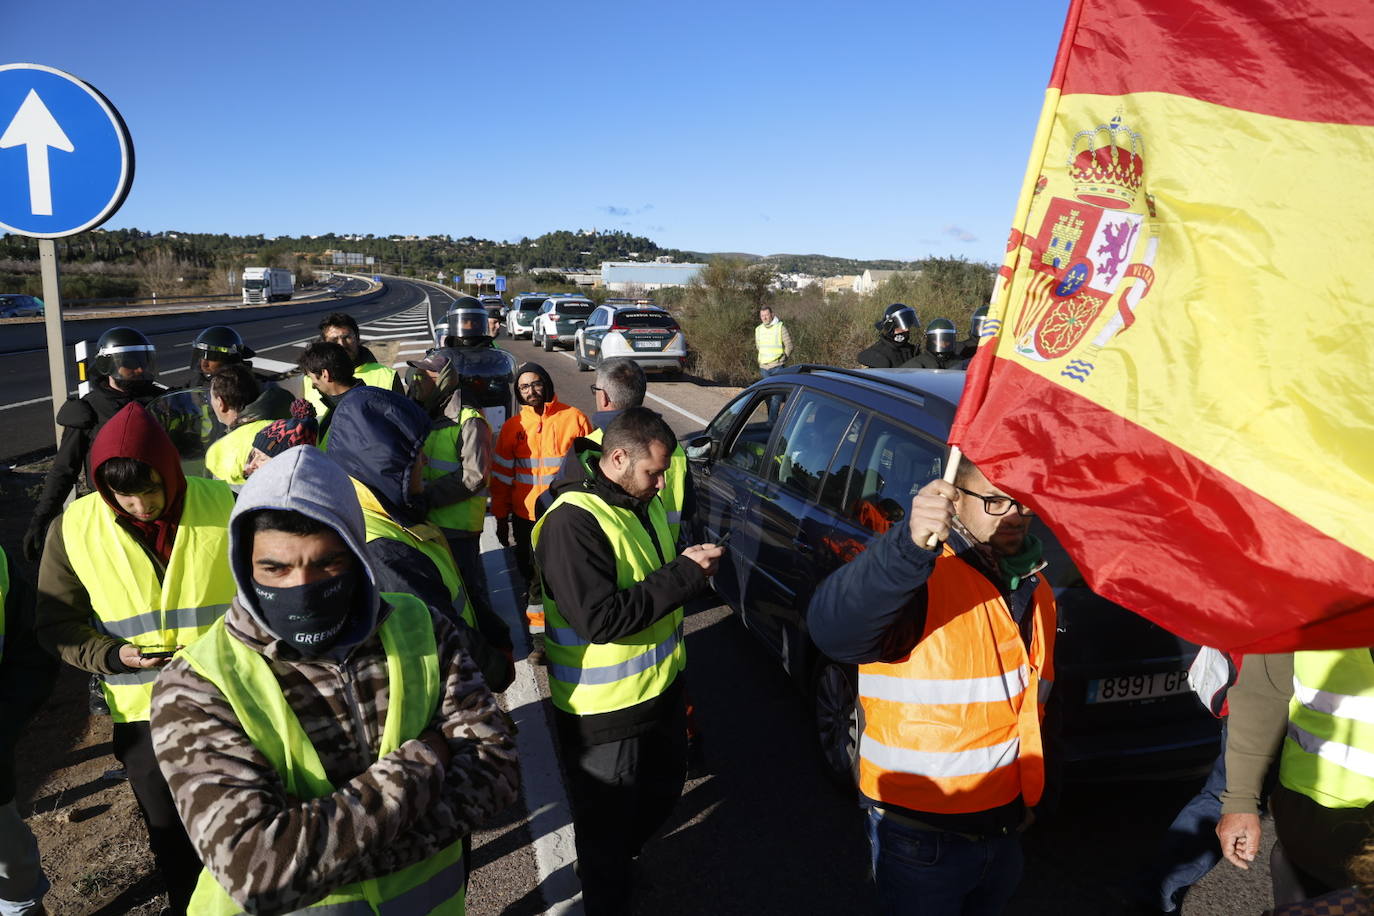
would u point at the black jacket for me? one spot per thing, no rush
(928, 360)
(887, 354)
(80, 419)
(579, 572)
(27, 673)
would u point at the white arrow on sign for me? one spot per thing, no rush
(34, 127)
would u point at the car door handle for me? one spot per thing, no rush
(802, 546)
(740, 507)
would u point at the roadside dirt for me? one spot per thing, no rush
(90, 834)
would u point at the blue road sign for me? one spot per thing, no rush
(500, 284)
(66, 161)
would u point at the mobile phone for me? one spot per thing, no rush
(156, 653)
(724, 537)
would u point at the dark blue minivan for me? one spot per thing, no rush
(848, 451)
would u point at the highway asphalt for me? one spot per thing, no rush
(25, 396)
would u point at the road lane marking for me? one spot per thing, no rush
(667, 403)
(541, 782)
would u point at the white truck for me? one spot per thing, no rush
(267, 284)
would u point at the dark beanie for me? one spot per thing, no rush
(300, 429)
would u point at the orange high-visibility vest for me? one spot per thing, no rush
(954, 728)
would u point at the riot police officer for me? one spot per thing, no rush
(215, 348)
(466, 325)
(939, 349)
(969, 345)
(894, 346)
(124, 369)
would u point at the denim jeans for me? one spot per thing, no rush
(775, 402)
(22, 882)
(936, 873)
(1190, 848)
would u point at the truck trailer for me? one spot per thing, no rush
(267, 284)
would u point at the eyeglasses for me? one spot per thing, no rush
(999, 505)
(531, 386)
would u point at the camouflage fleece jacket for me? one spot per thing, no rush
(275, 853)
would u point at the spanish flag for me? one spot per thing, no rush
(1179, 368)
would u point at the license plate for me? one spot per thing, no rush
(648, 345)
(1137, 686)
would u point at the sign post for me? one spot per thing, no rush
(66, 164)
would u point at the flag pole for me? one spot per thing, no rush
(956, 455)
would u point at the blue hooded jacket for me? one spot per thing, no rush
(376, 436)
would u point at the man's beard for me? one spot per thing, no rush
(626, 483)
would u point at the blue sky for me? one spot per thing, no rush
(867, 130)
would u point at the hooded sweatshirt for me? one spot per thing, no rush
(64, 612)
(133, 433)
(529, 449)
(275, 853)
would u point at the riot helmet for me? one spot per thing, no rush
(215, 347)
(940, 336)
(127, 358)
(465, 325)
(898, 323)
(978, 322)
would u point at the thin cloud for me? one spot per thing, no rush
(956, 232)
(612, 210)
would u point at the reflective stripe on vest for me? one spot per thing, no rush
(674, 492)
(242, 676)
(588, 678)
(955, 727)
(443, 456)
(768, 338)
(225, 457)
(4, 594)
(435, 548)
(1328, 754)
(127, 599)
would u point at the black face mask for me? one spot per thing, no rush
(310, 617)
(899, 337)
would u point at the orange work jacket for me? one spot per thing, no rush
(954, 727)
(528, 452)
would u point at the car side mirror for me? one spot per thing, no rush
(701, 448)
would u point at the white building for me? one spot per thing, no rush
(638, 277)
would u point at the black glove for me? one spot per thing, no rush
(503, 531)
(34, 539)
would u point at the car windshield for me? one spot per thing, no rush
(253, 284)
(574, 309)
(645, 320)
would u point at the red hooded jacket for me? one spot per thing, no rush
(133, 433)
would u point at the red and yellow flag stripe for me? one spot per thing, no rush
(1180, 380)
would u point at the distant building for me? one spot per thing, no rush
(638, 277)
(870, 280)
(794, 281)
(843, 284)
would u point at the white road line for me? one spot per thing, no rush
(296, 324)
(669, 404)
(411, 336)
(653, 397)
(27, 403)
(541, 780)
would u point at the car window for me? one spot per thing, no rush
(574, 310)
(747, 449)
(833, 488)
(813, 429)
(893, 463)
(646, 319)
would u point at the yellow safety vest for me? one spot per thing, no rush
(226, 456)
(423, 537)
(587, 678)
(768, 339)
(674, 492)
(129, 601)
(1327, 752)
(443, 454)
(436, 886)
